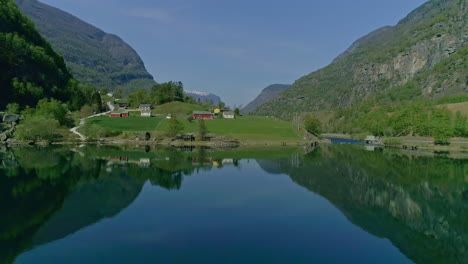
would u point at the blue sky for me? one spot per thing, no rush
(236, 48)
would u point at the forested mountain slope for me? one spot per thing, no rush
(29, 68)
(423, 56)
(93, 56)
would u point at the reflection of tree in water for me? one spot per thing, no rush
(416, 202)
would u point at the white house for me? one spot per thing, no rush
(146, 107)
(146, 113)
(229, 115)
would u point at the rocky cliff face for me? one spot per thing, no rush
(423, 56)
(270, 93)
(93, 56)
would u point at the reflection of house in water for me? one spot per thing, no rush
(123, 161)
(197, 161)
(228, 161)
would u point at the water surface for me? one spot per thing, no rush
(332, 204)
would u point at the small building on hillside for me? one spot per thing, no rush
(146, 113)
(119, 114)
(202, 115)
(124, 105)
(229, 115)
(146, 107)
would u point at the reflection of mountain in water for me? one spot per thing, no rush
(48, 194)
(419, 203)
(88, 203)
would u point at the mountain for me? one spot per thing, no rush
(270, 93)
(29, 68)
(93, 56)
(423, 56)
(203, 97)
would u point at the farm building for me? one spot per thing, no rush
(229, 115)
(146, 113)
(119, 114)
(146, 107)
(202, 115)
(124, 105)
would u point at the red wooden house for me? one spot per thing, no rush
(202, 115)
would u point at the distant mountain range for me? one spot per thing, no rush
(270, 93)
(423, 57)
(203, 97)
(93, 56)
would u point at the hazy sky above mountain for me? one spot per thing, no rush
(236, 48)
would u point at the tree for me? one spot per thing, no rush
(190, 118)
(103, 91)
(53, 109)
(461, 125)
(175, 126)
(313, 125)
(12, 108)
(97, 102)
(118, 93)
(202, 129)
(237, 111)
(37, 128)
(139, 97)
(86, 110)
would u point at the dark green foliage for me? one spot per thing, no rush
(29, 69)
(167, 92)
(38, 128)
(313, 125)
(12, 108)
(418, 119)
(461, 125)
(202, 130)
(237, 111)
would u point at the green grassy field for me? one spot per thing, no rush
(177, 108)
(132, 123)
(256, 129)
(248, 128)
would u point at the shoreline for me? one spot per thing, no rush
(459, 146)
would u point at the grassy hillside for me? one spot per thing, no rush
(423, 56)
(133, 123)
(177, 108)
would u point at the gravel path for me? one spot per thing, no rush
(83, 121)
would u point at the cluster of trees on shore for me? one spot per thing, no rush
(424, 118)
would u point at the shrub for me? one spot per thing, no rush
(313, 125)
(38, 128)
(175, 126)
(392, 141)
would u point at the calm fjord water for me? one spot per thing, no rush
(332, 204)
